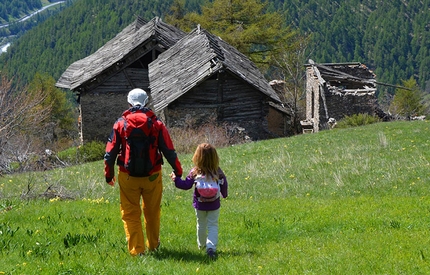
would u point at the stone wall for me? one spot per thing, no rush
(104, 104)
(345, 90)
(340, 105)
(100, 111)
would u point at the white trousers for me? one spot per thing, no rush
(207, 228)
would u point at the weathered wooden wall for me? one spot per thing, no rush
(225, 99)
(278, 123)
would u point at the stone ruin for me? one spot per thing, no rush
(336, 90)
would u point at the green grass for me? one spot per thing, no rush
(344, 201)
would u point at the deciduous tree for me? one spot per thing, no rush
(288, 67)
(22, 116)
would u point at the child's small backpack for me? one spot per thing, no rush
(140, 141)
(208, 188)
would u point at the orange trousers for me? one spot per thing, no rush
(137, 194)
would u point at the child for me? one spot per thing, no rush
(210, 183)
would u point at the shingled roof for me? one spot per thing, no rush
(114, 55)
(194, 58)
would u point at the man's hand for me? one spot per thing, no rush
(110, 181)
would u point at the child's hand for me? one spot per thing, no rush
(173, 176)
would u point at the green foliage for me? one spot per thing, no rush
(17, 8)
(91, 151)
(15, 27)
(408, 102)
(246, 25)
(357, 120)
(390, 37)
(63, 112)
(69, 155)
(352, 201)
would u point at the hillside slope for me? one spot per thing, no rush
(346, 201)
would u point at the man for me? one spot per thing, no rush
(148, 187)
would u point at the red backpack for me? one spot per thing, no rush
(141, 137)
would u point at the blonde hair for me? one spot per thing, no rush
(206, 160)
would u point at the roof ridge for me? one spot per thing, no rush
(213, 42)
(139, 23)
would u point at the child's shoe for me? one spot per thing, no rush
(211, 253)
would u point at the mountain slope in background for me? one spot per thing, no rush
(390, 37)
(13, 10)
(19, 16)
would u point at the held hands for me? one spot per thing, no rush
(110, 181)
(173, 176)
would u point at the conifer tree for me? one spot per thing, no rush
(408, 101)
(61, 118)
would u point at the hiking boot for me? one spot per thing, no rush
(211, 253)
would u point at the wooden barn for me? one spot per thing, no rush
(202, 78)
(103, 79)
(336, 90)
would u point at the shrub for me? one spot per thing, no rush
(88, 152)
(185, 141)
(219, 135)
(69, 155)
(92, 151)
(357, 120)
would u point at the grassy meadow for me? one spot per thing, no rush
(344, 201)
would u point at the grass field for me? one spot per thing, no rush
(345, 201)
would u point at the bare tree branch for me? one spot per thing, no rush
(22, 117)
